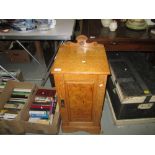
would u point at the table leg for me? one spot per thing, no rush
(27, 51)
(39, 50)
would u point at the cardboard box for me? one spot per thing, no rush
(19, 75)
(4, 45)
(15, 73)
(18, 56)
(14, 126)
(42, 128)
(20, 124)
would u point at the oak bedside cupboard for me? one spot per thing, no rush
(80, 73)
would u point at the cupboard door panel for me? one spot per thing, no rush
(80, 100)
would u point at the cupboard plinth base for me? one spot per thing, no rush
(89, 129)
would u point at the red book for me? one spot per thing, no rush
(42, 107)
(46, 93)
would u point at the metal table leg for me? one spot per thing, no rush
(27, 51)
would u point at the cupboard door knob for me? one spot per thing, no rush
(113, 43)
(62, 103)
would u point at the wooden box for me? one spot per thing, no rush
(14, 126)
(80, 72)
(37, 128)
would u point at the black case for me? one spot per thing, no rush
(131, 76)
(129, 110)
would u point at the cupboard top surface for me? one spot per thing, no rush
(83, 59)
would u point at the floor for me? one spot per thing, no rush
(33, 72)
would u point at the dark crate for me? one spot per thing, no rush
(133, 76)
(129, 110)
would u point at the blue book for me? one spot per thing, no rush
(41, 116)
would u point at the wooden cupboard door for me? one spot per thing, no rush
(79, 97)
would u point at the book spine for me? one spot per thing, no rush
(46, 92)
(43, 99)
(40, 107)
(37, 112)
(21, 90)
(41, 104)
(16, 102)
(20, 93)
(39, 121)
(2, 86)
(13, 106)
(19, 96)
(44, 116)
(18, 99)
(9, 116)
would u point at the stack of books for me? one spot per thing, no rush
(16, 102)
(43, 107)
(4, 77)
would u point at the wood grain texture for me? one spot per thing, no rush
(123, 39)
(77, 58)
(100, 96)
(80, 100)
(60, 88)
(80, 72)
(80, 127)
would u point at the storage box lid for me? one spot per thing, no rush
(81, 57)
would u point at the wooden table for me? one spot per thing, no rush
(123, 39)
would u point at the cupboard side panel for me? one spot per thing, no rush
(59, 83)
(100, 98)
